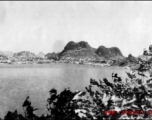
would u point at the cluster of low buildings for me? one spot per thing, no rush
(85, 61)
(45, 60)
(25, 60)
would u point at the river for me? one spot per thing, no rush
(16, 83)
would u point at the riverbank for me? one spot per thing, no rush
(50, 65)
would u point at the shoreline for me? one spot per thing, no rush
(51, 65)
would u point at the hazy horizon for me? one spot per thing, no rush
(47, 26)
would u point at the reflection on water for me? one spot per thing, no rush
(18, 83)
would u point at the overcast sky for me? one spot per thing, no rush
(48, 26)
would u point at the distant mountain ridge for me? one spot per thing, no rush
(126, 61)
(83, 49)
(76, 46)
(79, 50)
(24, 54)
(53, 56)
(112, 52)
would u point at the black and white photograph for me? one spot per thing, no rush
(75, 60)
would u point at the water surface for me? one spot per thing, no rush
(19, 82)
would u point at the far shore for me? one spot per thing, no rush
(50, 65)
